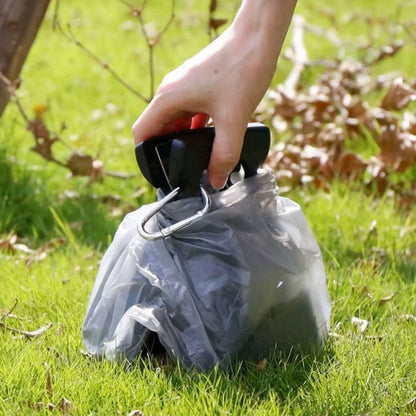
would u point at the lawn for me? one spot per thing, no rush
(54, 230)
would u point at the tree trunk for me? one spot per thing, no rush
(19, 23)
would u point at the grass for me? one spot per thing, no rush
(369, 247)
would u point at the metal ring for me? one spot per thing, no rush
(164, 232)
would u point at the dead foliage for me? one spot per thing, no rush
(318, 125)
(13, 245)
(22, 333)
(64, 406)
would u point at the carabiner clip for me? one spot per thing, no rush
(164, 232)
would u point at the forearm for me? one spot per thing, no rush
(264, 23)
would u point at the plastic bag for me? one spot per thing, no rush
(244, 279)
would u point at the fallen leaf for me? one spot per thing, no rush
(364, 290)
(361, 323)
(261, 365)
(112, 200)
(80, 164)
(328, 411)
(385, 299)
(49, 387)
(136, 413)
(411, 405)
(217, 23)
(28, 334)
(65, 406)
(409, 317)
(398, 95)
(350, 164)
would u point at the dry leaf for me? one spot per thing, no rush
(28, 334)
(361, 323)
(65, 406)
(49, 387)
(216, 23)
(385, 299)
(8, 244)
(409, 317)
(411, 405)
(261, 365)
(364, 290)
(136, 413)
(80, 165)
(43, 139)
(398, 95)
(350, 164)
(212, 6)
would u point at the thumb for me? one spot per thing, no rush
(226, 152)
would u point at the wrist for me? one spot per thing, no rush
(266, 21)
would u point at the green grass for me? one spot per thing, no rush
(369, 245)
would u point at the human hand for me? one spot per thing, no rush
(225, 81)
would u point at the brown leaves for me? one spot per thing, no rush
(84, 165)
(367, 293)
(13, 245)
(325, 122)
(398, 95)
(64, 406)
(261, 365)
(78, 163)
(216, 23)
(43, 139)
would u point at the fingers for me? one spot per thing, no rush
(161, 116)
(226, 152)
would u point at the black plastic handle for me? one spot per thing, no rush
(179, 159)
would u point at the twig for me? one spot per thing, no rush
(410, 30)
(151, 43)
(79, 164)
(8, 313)
(72, 38)
(55, 18)
(12, 91)
(331, 35)
(27, 334)
(299, 54)
(119, 175)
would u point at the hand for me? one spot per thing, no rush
(225, 81)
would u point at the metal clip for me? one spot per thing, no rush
(164, 232)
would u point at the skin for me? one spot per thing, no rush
(225, 81)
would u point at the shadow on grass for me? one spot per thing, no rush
(281, 376)
(25, 208)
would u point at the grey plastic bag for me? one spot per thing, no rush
(244, 279)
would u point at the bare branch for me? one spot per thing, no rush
(27, 334)
(73, 39)
(151, 42)
(11, 88)
(300, 56)
(9, 312)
